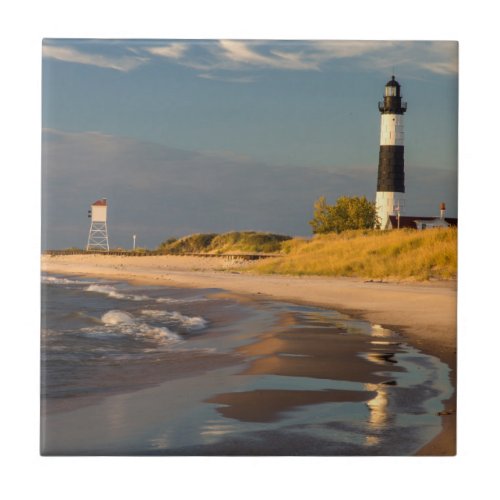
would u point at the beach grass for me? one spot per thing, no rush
(232, 242)
(400, 254)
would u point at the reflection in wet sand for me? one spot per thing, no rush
(380, 358)
(213, 430)
(309, 345)
(160, 442)
(379, 415)
(267, 405)
(325, 353)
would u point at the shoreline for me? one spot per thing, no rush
(424, 313)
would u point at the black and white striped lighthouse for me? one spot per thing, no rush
(391, 172)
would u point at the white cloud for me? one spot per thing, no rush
(235, 55)
(441, 58)
(213, 59)
(435, 57)
(238, 55)
(242, 53)
(441, 68)
(69, 54)
(172, 51)
(330, 49)
(230, 79)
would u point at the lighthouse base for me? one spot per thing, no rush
(388, 203)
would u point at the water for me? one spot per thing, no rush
(129, 369)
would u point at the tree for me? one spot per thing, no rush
(349, 213)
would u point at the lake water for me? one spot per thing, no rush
(133, 369)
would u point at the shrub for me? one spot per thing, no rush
(348, 213)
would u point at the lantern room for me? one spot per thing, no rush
(392, 88)
(392, 103)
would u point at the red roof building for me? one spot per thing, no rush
(411, 222)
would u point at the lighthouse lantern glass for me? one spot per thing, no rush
(390, 91)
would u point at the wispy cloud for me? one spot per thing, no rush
(229, 79)
(244, 53)
(237, 55)
(171, 51)
(72, 55)
(325, 50)
(232, 60)
(435, 57)
(242, 56)
(441, 58)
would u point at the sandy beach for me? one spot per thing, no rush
(425, 313)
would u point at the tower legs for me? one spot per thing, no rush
(98, 237)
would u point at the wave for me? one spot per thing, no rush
(81, 316)
(170, 300)
(49, 332)
(59, 281)
(115, 317)
(116, 322)
(189, 322)
(112, 292)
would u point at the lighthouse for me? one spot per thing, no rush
(391, 173)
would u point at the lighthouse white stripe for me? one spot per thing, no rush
(387, 204)
(391, 130)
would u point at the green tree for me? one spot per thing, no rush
(350, 212)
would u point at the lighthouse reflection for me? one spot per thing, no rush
(379, 405)
(379, 414)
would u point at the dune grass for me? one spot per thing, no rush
(233, 242)
(402, 254)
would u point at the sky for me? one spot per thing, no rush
(213, 136)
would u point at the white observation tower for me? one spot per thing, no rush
(98, 234)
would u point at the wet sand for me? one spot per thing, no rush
(323, 352)
(267, 405)
(424, 312)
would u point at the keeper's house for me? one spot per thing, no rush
(411, 222)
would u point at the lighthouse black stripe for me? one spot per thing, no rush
(392, 105)
(391, 175)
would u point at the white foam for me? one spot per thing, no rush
(116, 322)
(162, 334)
(48, 332)
(190, 322)
(58, 281)
(106, 289)
(115, 317)
(170, 300)
(112, 292)
(154, 313)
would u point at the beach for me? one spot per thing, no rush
(424, 313)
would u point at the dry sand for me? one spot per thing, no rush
(424, 312)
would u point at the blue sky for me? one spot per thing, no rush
(188, 137)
